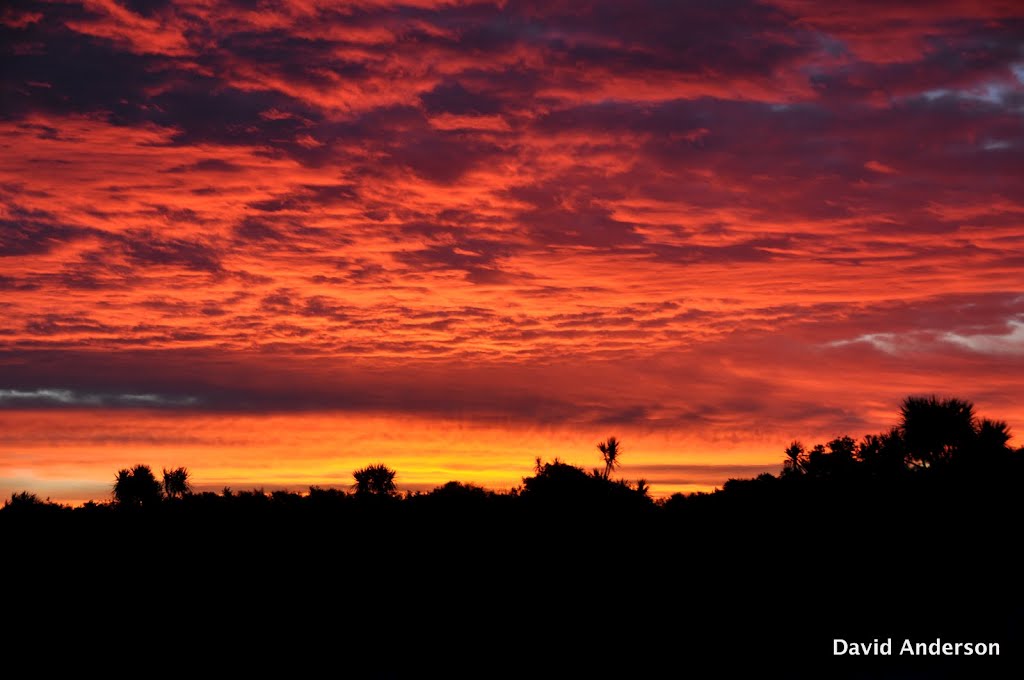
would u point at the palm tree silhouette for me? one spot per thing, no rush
(994, 433)
(795, 459)
(643, 488)
(993, 441)
(610, 451)
(936, 430)
(136, 487)
(375, 480)
(176, 482)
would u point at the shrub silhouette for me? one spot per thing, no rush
(23, 499)
(27, 502)
(564, 485)
(457, 491)
(883, 454)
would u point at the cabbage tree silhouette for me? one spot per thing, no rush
(795, 459)
(375, 480)
(176, 483)
(643, 488)
(993, 438)
(936, 430)
(136, 488)
(610, 451)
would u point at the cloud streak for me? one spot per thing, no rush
(71, 398)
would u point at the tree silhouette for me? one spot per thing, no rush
(643, 488)
(571, 488)
(375, 480)
(992, 445)
(843, 448)
(176, 482)
(817, 463)
(834, 459)
(994, 435)
(883, 454)
(795, 458)
(136, 487)
(936, 430)
(610, 451)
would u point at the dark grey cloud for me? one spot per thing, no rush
(309, 197)
(455, 98)
(148, 249)
(35, 232)
(207, 165)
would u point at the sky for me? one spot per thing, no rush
(276, 241)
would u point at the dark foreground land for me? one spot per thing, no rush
(573, 575)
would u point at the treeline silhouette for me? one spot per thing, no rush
(912, 532)
(938, 444)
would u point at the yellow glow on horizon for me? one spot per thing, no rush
(79, 451)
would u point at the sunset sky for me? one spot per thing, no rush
(275, 241)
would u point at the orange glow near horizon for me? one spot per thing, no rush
(71, 458)
(294, 452)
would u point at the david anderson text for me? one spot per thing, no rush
(909, 647)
